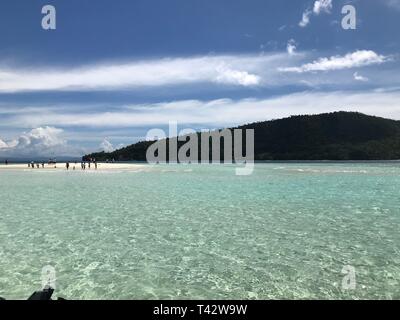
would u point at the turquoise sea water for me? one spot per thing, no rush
(193, 232)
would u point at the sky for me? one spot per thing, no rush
(112, 70)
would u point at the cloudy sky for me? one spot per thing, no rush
(112, 70)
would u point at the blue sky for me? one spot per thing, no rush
(112, 70)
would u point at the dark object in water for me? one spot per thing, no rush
(43, 295)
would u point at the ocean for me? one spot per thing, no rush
(288, 231)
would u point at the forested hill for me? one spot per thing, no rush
(329, 136)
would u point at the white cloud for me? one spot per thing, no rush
(243, 78)
(106, 146)
(283, 27)
(358, 77)
(393, 4)
(291, 47)
(238, 70)
(224, 112)
(41, 141)
(322, 6)
(351, 60)
(45, 137)
(249, 71)
(3, 145)
(305, 19)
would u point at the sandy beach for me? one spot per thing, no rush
(62, 166)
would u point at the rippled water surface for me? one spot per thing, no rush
(191, 232)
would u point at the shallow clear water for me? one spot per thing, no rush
(202, 232)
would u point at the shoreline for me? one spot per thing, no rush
(104, 166)
(101, 166)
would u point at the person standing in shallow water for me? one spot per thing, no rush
(6, 162)
(67, 165)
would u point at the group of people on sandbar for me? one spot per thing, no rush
(84, 164)
(37, 165)
(34, 165)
